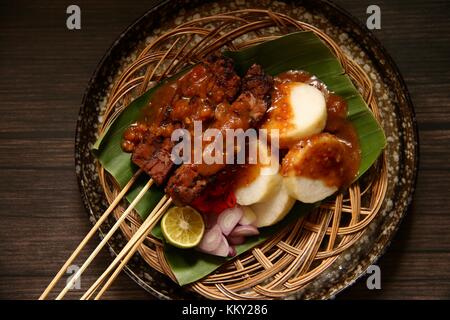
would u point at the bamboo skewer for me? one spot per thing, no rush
(140, 234)
(133, 250)
(86, 239)
(106, 214)
(130, 248)
(63, 269)
(105, 239)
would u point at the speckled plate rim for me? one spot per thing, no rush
(377, 254)
(377, 251)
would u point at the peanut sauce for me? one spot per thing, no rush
(336, 164)
(327, 158)
(247, 174)
(192, 97)
(280, 114)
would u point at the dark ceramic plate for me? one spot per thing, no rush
(397, 119)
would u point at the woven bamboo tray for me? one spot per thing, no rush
(293, 258)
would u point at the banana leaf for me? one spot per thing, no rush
(296, 51)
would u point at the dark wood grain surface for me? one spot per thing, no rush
(44, 69)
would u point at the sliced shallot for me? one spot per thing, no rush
(211, 240)
(228, 219)
(210, 219)
(236, 240)
(244, 231)
(232, 252)
(223, 249)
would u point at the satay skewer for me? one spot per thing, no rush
(258, 85)
(127, 251)
(105, 239)
(130, 248)
(86, 239)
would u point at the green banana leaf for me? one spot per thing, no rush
(296, 51)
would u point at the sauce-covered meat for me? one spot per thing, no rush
(177, 104)
(190, 180)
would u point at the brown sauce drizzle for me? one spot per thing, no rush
(328, 158)
(248, 173)
(336, 164)
(280, 114)
(193, 96)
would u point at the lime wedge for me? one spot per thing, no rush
(183, 227)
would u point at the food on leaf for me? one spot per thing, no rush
(258, 181)
(249, 217)
(183, 227)
(190, 180)
(274, 209)
(213, 93)
(228, 219)
(298, 110)
(317, 167)
(211, 239)
(236, 240)
(223, 250)
(194, 96)
(245, 231)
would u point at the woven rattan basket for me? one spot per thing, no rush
(294, 257)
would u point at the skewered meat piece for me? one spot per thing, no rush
(202, 89)
(190, 180)
(194, 96)
(153, 157)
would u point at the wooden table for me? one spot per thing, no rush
(44, 70)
